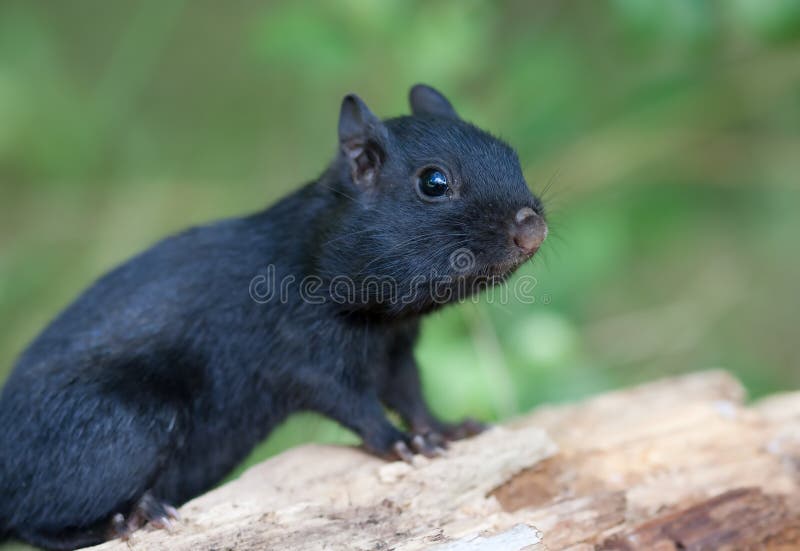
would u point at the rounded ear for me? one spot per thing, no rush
(425, 100)
(361, 138)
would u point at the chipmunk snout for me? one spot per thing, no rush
(528, 231)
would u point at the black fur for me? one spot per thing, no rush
(165, 373)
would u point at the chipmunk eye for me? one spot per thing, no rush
(433, 183)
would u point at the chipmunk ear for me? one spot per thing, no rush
(362, 138)
(425, 100)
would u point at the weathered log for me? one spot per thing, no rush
(680, 464)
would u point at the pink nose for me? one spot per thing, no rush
(529, 230)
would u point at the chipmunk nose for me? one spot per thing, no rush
(529, 230)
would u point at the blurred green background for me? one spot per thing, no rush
(666, 135)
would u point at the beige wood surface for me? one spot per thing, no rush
(679, 464)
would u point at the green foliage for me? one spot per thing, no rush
(666, 136)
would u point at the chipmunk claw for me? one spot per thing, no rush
(403, 452)
(426, 444)
(463, 429)
(148, 510)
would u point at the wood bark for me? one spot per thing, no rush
(679, 464)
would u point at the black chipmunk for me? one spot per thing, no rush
(161, 377)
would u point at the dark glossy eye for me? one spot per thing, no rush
(433, 183)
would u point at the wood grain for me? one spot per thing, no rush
(679, 464)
